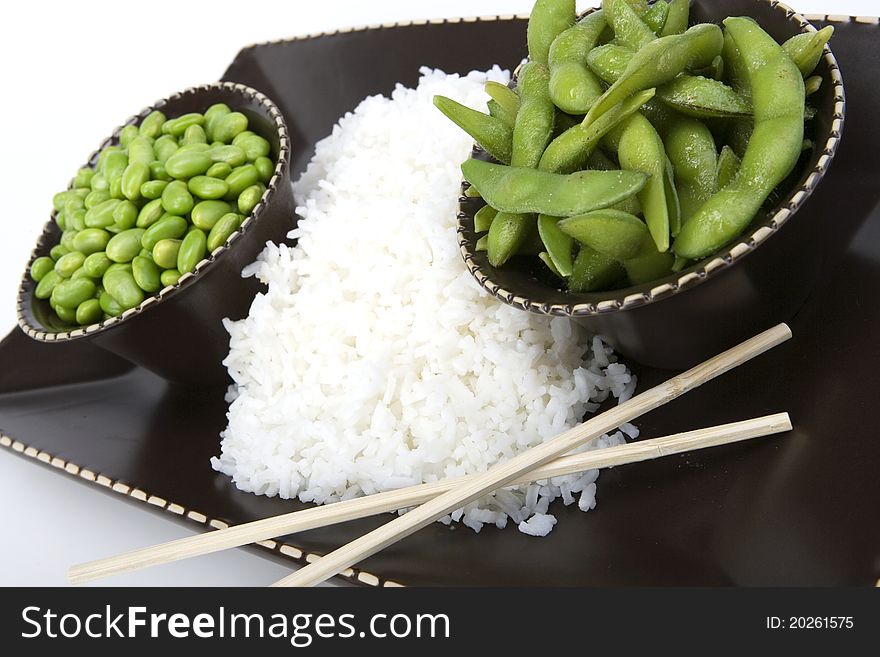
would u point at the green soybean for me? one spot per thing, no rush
(249, 198)
(254, 146)
(120, 284)
(83, 177)
(40, 267)
(99, 183)
(153, 189)
(228, 126)
(193, 249)
(96, 264)
(135, 175)
(176, 127)
(57, 251)
(146, 274)
(125, 215)
(127, 134)
(151, 126)
(492, 134)
(165, 253)
(150, 213)
(169, 227)
(184, 164)
(213, 113)
(95, 198)
(220, 170)
(169, 277)
(89, 312)
(240, 179)
(265, 169)
(164, 147)
(223, 230)
(101, 215)
(227, 153)
(124, 246)
(77, 219)
(194, 134)
(65, 314)
(176, 198)
(206, 187)
(114, 165)
(71, 293)
(47, 284)
(109, 305)
(91, 240)
(523, 190)
(206, 213)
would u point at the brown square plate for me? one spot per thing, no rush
(798, 509)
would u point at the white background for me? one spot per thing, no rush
(72, 71)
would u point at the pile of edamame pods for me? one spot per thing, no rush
(153, 207)
(607, 159)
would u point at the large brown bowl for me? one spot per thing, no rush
(760, 280)
(178, 333)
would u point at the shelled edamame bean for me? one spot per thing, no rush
(170, 192)
(630, 144)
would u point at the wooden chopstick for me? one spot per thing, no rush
(507, 472)
(363, 507)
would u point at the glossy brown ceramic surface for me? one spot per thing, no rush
(760, 280)
(196, 305)
(796, 509)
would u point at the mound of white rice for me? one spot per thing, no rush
(374, 361)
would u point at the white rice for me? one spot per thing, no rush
(374, 361)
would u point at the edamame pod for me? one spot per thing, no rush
(534, 120)
(124, 246)
(660, 62)
(176, 198)
(573, 86)
(89, 312)
(649, 265)
(656, 16)
(146, 274)
(184, 164)
(169, 227)
(490, 133)
(692, 151)
(165, 253)
(558, 244)
(593, 271)
(549, 18)
(616, 234)
(507, 235)
(629, 29)
(120, 285)
(728, 167)
(639, 148)
(677, 17)
(805, 50)
(91, 240)
(704, 98)
(504, 96)
(40, 267)
(483, 218)
(206, 213)
(609, 62)
(192, 251)
(523, 190)
(777, 90)
(71, 293)
(222, 230)
(570, 150)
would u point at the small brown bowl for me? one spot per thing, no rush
(680, 320)
(178, 333)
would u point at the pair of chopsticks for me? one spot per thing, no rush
(435, 500)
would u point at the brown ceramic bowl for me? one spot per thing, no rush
(178, 333)
(760, 280)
